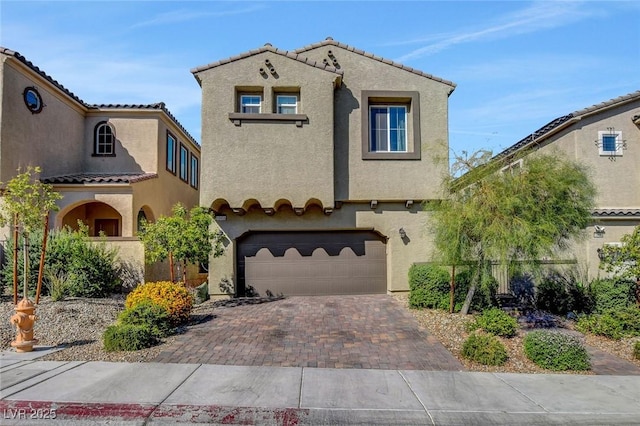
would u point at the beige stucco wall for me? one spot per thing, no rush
(358, 179)
(271, 160)
(617, 179)
(51, 139)
(386, 220)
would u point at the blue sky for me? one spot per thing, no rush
(517, 64)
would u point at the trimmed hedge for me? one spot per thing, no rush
(498, 322)
(127, 337)
(485, 349)
(174, 297)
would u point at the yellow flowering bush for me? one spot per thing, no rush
(174, 297)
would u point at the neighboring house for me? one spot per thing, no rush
(316, 163)
(606, 138)
(113, 164)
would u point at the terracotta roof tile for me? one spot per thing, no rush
(93, 178)
(267, 48)
(331, 42)
(159, 105)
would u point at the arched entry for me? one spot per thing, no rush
(100, 218)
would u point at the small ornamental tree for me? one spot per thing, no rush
(183, 236)
(27, 202)
(515, 216)
(624, 260)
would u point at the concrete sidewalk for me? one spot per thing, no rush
(147, 393)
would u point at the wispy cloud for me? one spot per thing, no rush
(538, 16)
(185, 15)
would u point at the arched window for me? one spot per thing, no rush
(104, 140)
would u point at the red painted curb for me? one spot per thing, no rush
(47, 410)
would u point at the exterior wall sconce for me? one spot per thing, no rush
(598, 231)
(408, 204)
(403, 233)
(374, 204)
(600, 254)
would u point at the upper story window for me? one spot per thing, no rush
(193, 177)
(388, 128)
(287, 104)
(610, 143)
(172, 145)
(104, 140)
(184, 163)
(390, 125)
(250, 104)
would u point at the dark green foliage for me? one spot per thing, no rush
(636, 350)
(484, 349)
(148, 314)
(484, 296)
(127, 337)
(615, 323)
(560, 293)
(556, 351)
(498, 322)
(428, 286)
(612, 293)
(90, 267)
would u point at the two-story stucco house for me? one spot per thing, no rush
(113, 164)
(606, 138)
(316, 163)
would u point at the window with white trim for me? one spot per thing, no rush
(610, 143)
(250, 104)
(287, 104)
(104, 140)
(388, 128)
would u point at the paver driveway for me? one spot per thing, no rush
(370, 331)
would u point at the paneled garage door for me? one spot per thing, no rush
(311, 263)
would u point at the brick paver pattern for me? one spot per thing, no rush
(364, 331)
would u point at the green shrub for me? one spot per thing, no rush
(612, 293)
(484, 349)
(6, 272)
(556, 351)
(614, 323)
(57, 284)
(174, 297)
(127, 337)
(498, 322)
(150, 314)
(428, 286)
(636, 350)
(562, 292)
(484, 296)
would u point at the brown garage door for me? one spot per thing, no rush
(311, 263)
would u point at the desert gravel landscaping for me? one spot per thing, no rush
(78, 324)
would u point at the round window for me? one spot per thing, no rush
(32, 99)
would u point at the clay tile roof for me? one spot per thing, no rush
(42, 74)
(617, 212)
(560, 121)
(93, 178)
(159, 105)
(331, 42)
(268, 48)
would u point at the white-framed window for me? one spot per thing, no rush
(104, 140)
(514, 167)
(287, 104)
(610, 143)
(388, 128)
(250, 104)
